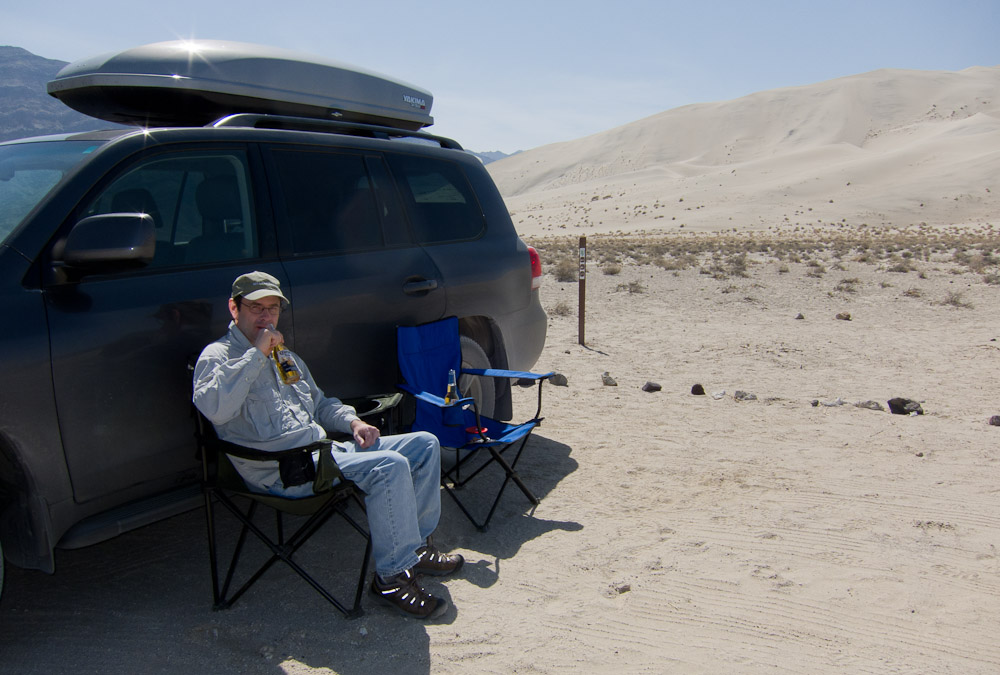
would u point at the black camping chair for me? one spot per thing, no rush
(333, 494)
(426, 354)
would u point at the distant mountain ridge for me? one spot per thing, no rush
(492, 156)
(25, 107)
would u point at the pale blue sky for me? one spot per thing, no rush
(517, 74)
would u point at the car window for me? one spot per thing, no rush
(438, 197)
(29, 171)
(327, 201)
(200, 204)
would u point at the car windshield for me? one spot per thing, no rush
(29, 171)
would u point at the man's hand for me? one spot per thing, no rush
(267, 339)
(365, 434)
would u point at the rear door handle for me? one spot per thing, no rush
(420, 286)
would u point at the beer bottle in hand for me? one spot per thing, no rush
(287, 368)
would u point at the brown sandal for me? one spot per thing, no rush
(403, 593)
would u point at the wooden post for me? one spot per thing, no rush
(583, 288)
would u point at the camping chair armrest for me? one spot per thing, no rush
(243, 452)
(538, 378)
(427, 397)
(519, 374)
(328, 470)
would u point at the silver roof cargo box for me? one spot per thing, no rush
(195, 82)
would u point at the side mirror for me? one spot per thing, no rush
(112, 238)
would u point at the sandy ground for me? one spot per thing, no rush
(676, 533)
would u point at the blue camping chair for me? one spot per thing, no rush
(426, 354)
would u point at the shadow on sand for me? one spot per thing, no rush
(141, 602)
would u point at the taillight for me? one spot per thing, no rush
(536, 268)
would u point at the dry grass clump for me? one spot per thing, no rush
(676, 264)
(955, 299)
(725, 266)
(561, 308)
(900, 265)
(848, 285)
(566, 270)
(631, 287)
(816, 269)
(976, 261)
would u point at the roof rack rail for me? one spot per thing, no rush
(264, 121)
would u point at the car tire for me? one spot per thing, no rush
(482, 389)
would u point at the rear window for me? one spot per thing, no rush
(439, 199)
(327, 201)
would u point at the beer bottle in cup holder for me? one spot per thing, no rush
(451, 395)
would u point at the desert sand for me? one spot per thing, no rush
(782, 529)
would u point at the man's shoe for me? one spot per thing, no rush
(437, 564)
(403, 593)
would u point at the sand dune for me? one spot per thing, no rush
(898, 147)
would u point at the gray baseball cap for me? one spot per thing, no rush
(257, 285)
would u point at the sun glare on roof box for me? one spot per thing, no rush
(195, 82)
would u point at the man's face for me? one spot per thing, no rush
(252, 316)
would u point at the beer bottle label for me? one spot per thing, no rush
(287, 367)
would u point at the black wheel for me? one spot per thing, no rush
(483, 389)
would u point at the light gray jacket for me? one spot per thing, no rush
(237, 387)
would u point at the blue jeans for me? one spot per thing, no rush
(401, 478)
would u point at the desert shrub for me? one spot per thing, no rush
(566, 270)
(611, 269)
(978, 262)
(899, 265)
(562, 308)
(912, 293)
(816, 269)
(737, 265)
(955, 299)
(672, 263)
(848, 285)
(631, 287)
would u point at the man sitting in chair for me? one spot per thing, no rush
(237, 386)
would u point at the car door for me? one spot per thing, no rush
(355, 272)
(121, 339)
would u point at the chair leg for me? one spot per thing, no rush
(247, 520)
(510, 474)
(212, 551)
(284, 550)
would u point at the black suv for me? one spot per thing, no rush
(117, 253)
